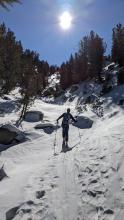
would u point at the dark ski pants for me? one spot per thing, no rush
(65, 129)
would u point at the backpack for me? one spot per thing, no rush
(66, 119)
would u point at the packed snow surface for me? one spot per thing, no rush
(86, 183)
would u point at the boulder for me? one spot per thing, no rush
(83, 122)
(6, 136)
(33, 116)
(42, 126)
(10, 214)
(9, 133)
(47, 128)
(7, 106)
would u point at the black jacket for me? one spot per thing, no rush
(66, 117)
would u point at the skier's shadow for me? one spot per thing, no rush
(75, 145)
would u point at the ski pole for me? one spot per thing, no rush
(55, 140)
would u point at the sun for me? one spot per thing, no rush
(65, 20)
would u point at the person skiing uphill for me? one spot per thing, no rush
(65, 126)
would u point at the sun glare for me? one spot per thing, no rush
(66, 20)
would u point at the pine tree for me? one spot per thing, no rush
(69, 72)
(63, 78)
(20, 68)
(96, 50)
(118, 44)
(29, 82)
(76, 69)
(2, 54)
(4, 3)
(52, 69)
(66, 74)
(83, 58)
(12, 61)
(43, 72)
(87, 62)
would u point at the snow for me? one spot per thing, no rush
(110, 66)
(54, 79)
(85, 89)
(86, 183)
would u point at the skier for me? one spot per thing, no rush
(65, 127)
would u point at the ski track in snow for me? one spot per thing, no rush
(71, 191)
(86, 183)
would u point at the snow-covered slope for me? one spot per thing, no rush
(54, 94)
(86, 183)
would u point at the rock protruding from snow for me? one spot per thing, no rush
(6, 97)
(42, 126)
(9, 133)
(6, 136)
(33, 116)
(11, 213)
(7, 106)
(40, 194)
(2, 173)
(83, 122)
(47, 127)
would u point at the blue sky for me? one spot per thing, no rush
(36, 24)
